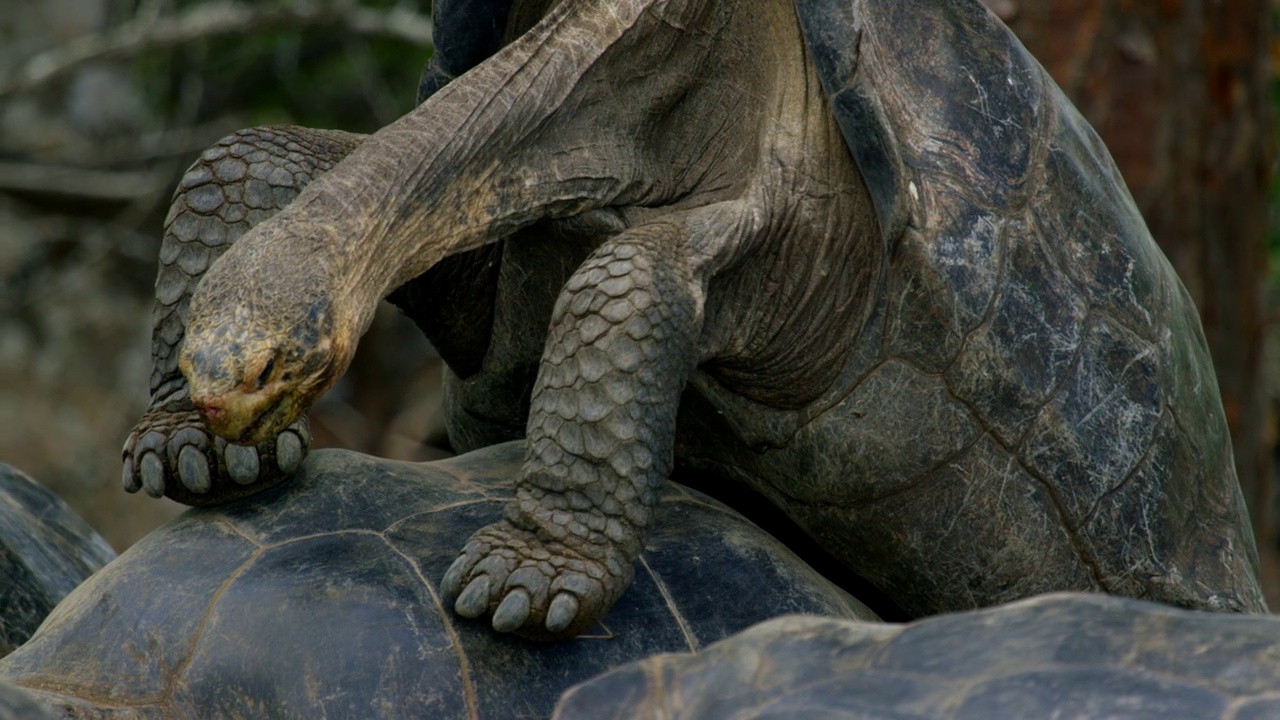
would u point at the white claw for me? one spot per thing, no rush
(563, 611)
(193, 470)
(131, 483)
(152, 472)
(242, 464)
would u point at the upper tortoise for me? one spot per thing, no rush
(862, 256)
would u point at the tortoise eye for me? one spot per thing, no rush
(266, 372)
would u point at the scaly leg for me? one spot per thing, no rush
(239, 182)
(601, 432)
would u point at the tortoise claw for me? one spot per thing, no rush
(193, 470)
(513, 611)
(152, 475)
(290, 448)
(171, 453)
(564, 610)
(474, 601)
(451, 584)
(128, 477)
(536, 589)
(242, 463)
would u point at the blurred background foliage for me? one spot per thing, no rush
(1273, 235)
(319, 76)
(103, 103)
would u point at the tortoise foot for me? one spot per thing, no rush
(538, 589)
(171, 453)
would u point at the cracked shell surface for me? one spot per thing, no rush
(1031, 405)
(329, 582)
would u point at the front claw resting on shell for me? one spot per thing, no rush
(171, 453)
(538, 590)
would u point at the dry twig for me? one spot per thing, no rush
(80, 183)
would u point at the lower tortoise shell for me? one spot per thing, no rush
(318, 599)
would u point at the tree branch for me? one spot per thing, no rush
(117, 186)
(214, 19)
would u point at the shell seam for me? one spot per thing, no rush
(464, 665)
(689, 638)
(181, 666)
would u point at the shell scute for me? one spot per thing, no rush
(1113, 692)
(402, 637)
(889, 446)
(943, 279)
(1099, 236)
(1095, 430)
(356, 506)
(130, 662)
(1192, 387)
(965, 100)
(1013, 362)
(1151, 529)
(978, 521)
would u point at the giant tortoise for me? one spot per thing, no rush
(1063, 656)
(46, 549)
(862, 256)
(319, 600)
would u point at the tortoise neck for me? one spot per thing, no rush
(472, 164)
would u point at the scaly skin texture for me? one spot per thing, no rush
(242, 180)
(601, 429)
(948, 348)
(565, 552)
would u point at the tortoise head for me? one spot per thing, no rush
(263, 342)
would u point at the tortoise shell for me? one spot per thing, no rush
(318, 599)
(1031, 405)
(46, 550)
(1062, 656)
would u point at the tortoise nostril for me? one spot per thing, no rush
(209, 409)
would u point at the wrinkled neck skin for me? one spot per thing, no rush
(644, 106)
(579, 113)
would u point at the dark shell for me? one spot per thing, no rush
(1034, 359)
(319, 599)
(45, 551)
(1064, 655)
(465, 33)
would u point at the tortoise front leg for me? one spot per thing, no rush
(240, 181)
(601, 433)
